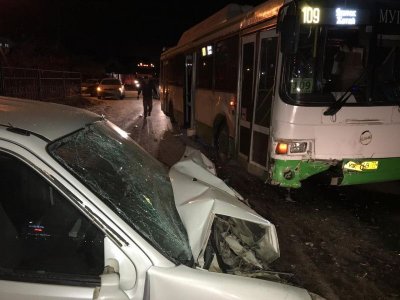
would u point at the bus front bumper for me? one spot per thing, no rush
(290, 173)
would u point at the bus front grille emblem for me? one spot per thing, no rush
(366, 137)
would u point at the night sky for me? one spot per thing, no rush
(104, 29)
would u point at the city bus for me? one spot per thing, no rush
(293, 89)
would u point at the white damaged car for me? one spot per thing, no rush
(86, 213)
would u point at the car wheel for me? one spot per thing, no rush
(222, 143)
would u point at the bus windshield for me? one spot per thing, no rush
(333, 60)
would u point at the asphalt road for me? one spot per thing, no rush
(128, 114)
(339, 242)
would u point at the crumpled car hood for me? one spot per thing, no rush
(202, 200)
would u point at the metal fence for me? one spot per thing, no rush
(39, 84)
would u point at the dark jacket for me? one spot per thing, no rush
(147, 87)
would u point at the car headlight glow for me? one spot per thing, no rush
(121, 89)
(99, 89)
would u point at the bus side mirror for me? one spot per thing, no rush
(288, 27)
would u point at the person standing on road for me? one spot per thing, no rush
(147, 87)
(139, 86)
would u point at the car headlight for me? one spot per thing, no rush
(99, 89)
(121, 89)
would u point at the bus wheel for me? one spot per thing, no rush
(222, 143)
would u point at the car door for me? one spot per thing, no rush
(51, 247)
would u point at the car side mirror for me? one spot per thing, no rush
(119, 274)
(110, 283)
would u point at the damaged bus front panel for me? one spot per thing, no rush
(339, 93)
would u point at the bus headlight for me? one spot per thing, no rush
(298, 147)
(289, 147)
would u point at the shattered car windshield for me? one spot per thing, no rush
(129, 181)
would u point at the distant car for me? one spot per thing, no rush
(86, 213)
(111, 87)
(90, 87)
(136, 84)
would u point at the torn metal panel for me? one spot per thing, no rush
(243, 245)
(200, 159)
(290, 173)
(212, 211)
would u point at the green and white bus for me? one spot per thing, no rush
(293, 88)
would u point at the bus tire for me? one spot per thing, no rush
(221, 143)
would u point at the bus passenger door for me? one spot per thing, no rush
(164, 87)
(265, 79)
(188, 91)
(246, 93)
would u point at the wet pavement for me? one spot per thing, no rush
(156, 134)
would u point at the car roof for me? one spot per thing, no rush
(49, 120)
(110, 79)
